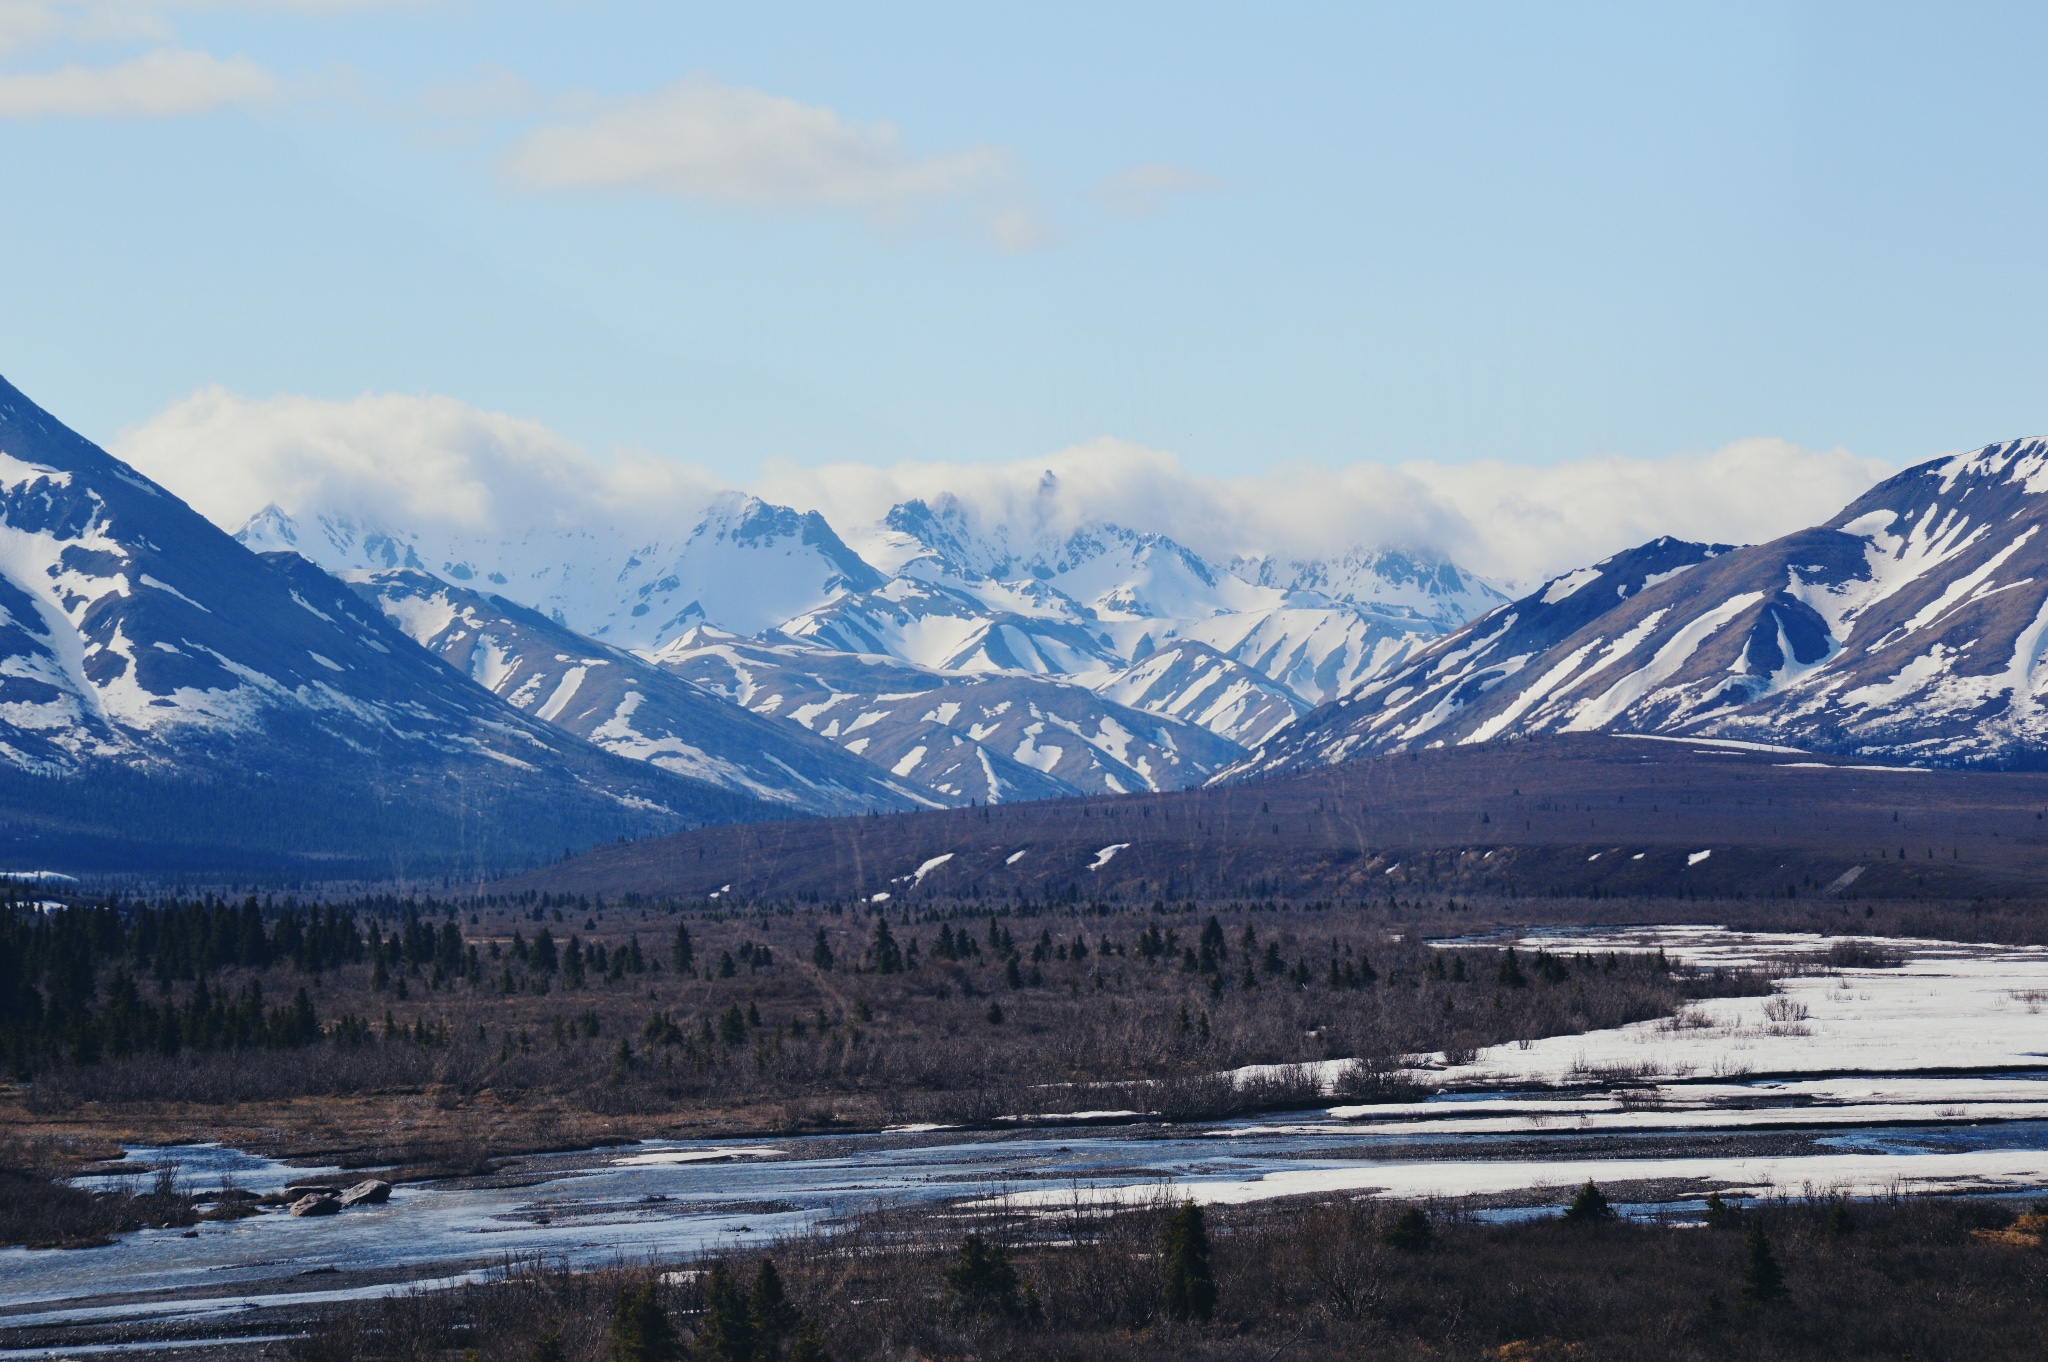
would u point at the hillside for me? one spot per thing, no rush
(1584, 814)
(1908, 628)
(626, 705)
(170, 702)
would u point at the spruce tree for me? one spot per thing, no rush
(548, 1347)
(981, 1281)
(683, 954)
(1411, 1232)
(724, 1329)
(768, 1307)
(884, 956)
(1761, 1279)
(641, 1331)
(807, 1346)
(1190, 1284)
(1589, 1206)
(821, 952)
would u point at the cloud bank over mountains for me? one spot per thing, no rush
(435, 461)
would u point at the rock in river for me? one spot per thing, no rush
(314, 1203)
(369, 1192)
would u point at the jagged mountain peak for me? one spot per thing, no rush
(2023, 461)
(742, 563)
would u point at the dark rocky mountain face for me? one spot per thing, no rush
(169, 697)
(1910, 627)
(628, 706)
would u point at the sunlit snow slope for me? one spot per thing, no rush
(164, 690)
(1910, 627)
(1089, 660)
(627, 705)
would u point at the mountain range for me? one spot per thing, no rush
(337, 696)
(957, 661)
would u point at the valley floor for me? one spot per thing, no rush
(1870, 1073)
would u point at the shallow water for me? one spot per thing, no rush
(1983, 1131)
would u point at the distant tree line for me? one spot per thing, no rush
(59, 1001)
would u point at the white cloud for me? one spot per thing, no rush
(408, 462)
(1145, 190)
(27, 23)
(430, 463)
(24, 23)
(722, 144)
(163, 83)
(1517, 522)
(1533, 520)
(309, 7)
(1513, 522)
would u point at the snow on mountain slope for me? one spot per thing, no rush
(1314, 650)
(1087, 604)
(960, 599)
(137, 638)
(626, 705)
(1457, 686)
(1392, 581)
(744, 564)
(1193, 682)
(1909, 627)
(949, 628)
(989, 737)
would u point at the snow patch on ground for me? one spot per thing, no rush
(1106, 855)
(917, 876)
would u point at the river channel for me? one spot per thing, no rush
(1929, 1076)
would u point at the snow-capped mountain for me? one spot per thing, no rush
(989, 737)
(936, 597)
(1390, 581)
(1092, 601)
(1909, 627)
(141, 649)
(1193, 682)
(742, 564)
(627, 705)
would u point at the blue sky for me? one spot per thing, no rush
(1256, 236)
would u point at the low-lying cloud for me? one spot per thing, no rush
(425, 463)
(397, 460)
